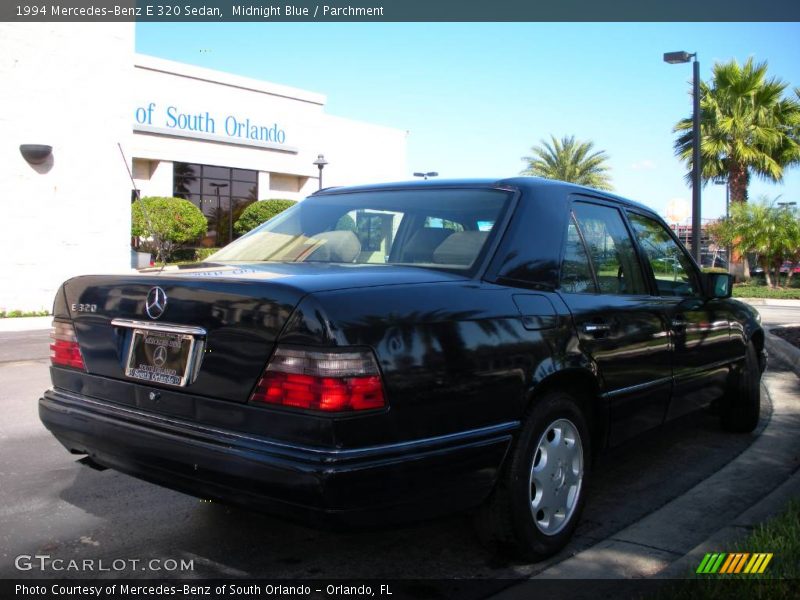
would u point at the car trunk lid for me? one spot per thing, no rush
(234, 324)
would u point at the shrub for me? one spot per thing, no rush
(714, 270)
(203, 253)
(346, 223)
(169, 222)
(260, 212)
(183, 255)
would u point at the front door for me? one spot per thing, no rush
(620, 325)
(699, 328)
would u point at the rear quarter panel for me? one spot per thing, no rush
(454, 356)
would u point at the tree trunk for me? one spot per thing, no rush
(775, 265)
(737, 188)
(738, 179)
(765, 265)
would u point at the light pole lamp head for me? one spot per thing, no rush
(35, 154)
(676, 58)
(320, 162)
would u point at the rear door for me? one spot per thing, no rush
(699, 327)
(620, 325)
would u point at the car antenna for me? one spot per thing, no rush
(136, 192)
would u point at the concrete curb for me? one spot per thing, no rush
(777, 302)
(25, 324)
(783, 351)
(664, 544)
(741, 527)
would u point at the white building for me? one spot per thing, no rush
(212, 137)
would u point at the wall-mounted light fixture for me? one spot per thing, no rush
(35, 154)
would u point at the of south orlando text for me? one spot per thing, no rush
(231, 589)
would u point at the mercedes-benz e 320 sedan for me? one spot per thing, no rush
(402, 350)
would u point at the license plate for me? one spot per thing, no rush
(161, 357)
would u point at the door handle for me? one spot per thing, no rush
(596, 327)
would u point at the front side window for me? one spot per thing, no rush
(444, 228)
(610, 249)
(671, 266)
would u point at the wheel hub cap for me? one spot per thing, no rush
(556, 476)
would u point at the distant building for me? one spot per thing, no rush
(711, 255)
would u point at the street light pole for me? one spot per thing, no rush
(320, 162)
(677, 58)
(696, 171)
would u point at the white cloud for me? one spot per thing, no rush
(643, 165)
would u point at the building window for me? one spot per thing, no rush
(222, 193)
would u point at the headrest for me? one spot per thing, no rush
(461, 248)
(421, 245)
(335, 246)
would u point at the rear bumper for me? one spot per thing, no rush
(405, 480)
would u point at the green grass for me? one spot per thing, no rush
(12, 314)
(780, 536)
(762, 291)
(757, 288)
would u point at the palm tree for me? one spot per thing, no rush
(569, 160)
(762, 228)
(747, 127)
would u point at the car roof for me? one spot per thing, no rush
(523, 183)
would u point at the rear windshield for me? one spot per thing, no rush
(440, 228)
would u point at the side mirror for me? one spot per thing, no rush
(718, 285)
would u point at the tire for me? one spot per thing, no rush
(742, 405)
(538, 500)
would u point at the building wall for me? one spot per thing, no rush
(362, 153)
(81, 89)
(65, 85)
(164, 90)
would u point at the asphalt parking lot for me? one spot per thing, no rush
(51, 505)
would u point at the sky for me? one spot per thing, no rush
(475, 97)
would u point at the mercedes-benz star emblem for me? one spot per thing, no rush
(160, 356)
(156, 302)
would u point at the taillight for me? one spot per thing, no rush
(328, 381)
(64, 350)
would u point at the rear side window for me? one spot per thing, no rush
(576, 273)
(671, 266)
(612, 259)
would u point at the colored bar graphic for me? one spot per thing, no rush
(729, 562)
(740, 563)
(736, 562)
(717, 563)
(711, 563)
(703, 564)
(767, 558)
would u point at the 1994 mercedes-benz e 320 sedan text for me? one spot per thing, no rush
(375, 353)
